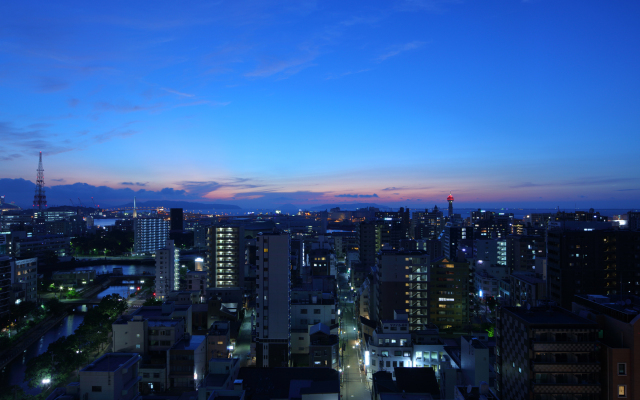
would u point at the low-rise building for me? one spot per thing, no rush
(187, 362)
(323, 347)
(24, 278)
(114, 376)
(219, 340)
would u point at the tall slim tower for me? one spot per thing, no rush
(40, 199)
(135, 213)
(450, 200)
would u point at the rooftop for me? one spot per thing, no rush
(548, 316)
(111, 362)
(189, 343)
(527, 277)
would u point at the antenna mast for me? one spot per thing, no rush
(40, 199)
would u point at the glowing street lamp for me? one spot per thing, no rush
(46, 381)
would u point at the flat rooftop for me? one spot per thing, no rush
(111, 362)
(189, 344)
(548, 316)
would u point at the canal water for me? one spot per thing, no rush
(13, 374)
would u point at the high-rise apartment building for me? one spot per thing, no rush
(366, 237)
(273, 300)
(546, 353)
(522, 251)
(582, 259)
(5, 285)
(427, 224)
(449, 293)
(452, 238)
(402, 284)
(225, 260)
(150, 234)
(617, 317)
(167, 270)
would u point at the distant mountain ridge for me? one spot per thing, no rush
(349, 207)
(187, 205)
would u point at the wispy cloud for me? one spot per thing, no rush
(181, 94)
(73, 102)
(357, 195)
(342, 75)
(270, 66)
(50, 84)
(106, 106)
(401, 49)
(134, 183)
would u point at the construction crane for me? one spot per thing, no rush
(72, 202)
(80, 201)
(94, 203)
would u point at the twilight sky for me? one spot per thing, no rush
(316, 102)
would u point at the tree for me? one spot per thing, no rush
(55, 306)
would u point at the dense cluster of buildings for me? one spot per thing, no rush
(542, 307)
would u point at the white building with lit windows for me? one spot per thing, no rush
(167, 270)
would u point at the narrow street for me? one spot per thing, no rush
(354, 382)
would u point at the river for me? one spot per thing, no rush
(13, 374)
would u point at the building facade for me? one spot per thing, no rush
(167, 270)
(273, 310)
(150, 234)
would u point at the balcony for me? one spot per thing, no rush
(566, 347)
(567, 388)
(565, 367)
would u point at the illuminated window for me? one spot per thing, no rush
(622, 390)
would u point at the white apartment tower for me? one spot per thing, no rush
(167, 270)
(150, 234)
(273, 312)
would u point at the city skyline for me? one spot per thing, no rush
(524, 104)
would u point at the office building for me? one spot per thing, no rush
(24, 280)
(273, 310)
(427, 224)
(546, 353)
(449, 294)
(225, 261)
(167, 270)
(150, 234)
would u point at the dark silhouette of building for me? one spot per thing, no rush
(522, 252)
(450, 200)
(586, 260)
(177, 219)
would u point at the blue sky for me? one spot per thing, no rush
(270, 102)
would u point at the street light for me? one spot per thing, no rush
(46, 381)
